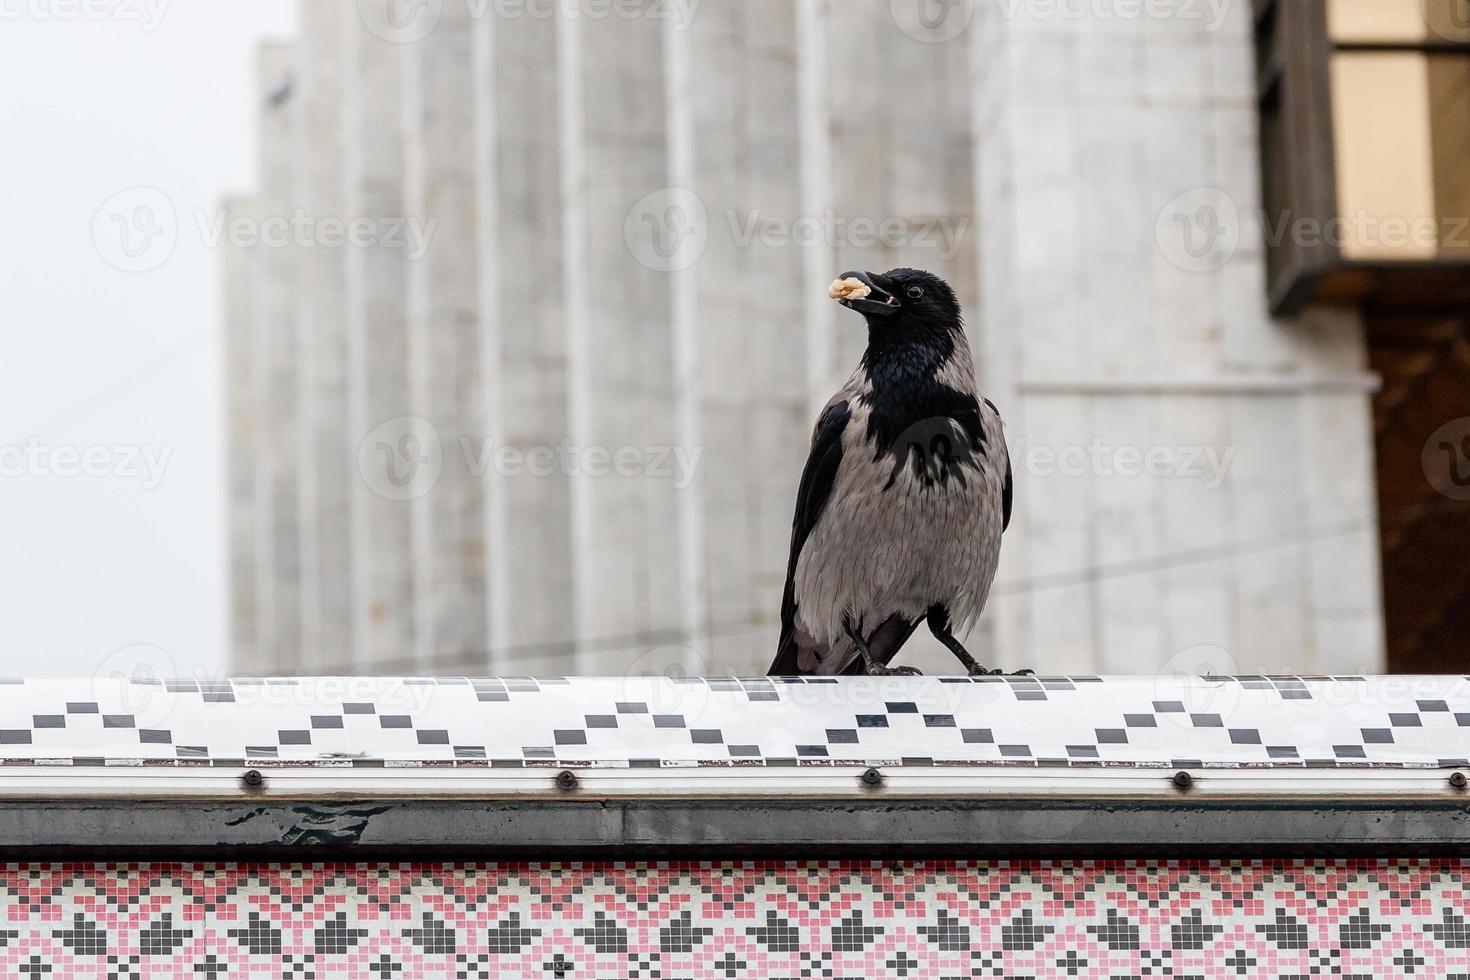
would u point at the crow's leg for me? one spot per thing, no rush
(870, 663)
(939, 626)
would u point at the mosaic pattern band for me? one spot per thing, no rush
(748, 921)
(654, 722)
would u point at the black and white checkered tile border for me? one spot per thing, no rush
(648, 722)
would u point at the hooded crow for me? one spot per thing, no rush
(905, 494)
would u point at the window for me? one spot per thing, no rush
(1365, 124)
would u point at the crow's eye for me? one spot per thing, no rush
(916, 292)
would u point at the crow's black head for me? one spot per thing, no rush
(900, 301)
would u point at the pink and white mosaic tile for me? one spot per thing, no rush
(734, 921)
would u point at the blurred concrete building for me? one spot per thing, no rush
(526, 385)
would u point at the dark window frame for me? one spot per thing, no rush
(1298, 157)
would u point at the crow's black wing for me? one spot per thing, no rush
(1008, 491)
(1006, 496)
(811, 497)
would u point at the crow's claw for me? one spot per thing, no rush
(876, 671)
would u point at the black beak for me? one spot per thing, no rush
(879, 302)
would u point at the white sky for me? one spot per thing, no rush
(95, 102)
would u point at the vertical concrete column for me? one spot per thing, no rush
(242, 438)
(1025, 149)
(615, 190)
(682, 141)
(396, 456)
(449, 386)
(816, 147)
(735, 143)
(1197, 587)
(884, 182)
(1344, 591)
(1125, 323)
(329, 466)
(279, 459)
(523, 344)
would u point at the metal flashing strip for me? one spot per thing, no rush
(614, 767)
(633, 829)
(888, 780)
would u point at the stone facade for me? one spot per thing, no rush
(1103, 319)
(560, 429)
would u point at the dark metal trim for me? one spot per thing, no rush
(301, 831)
(1432, 46)
(1298, 169)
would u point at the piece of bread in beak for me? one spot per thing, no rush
(849, 288)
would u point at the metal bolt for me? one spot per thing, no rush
(1458, 780)
(1183, 780)
(872, 778)
(253, 778)
(566, 779)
